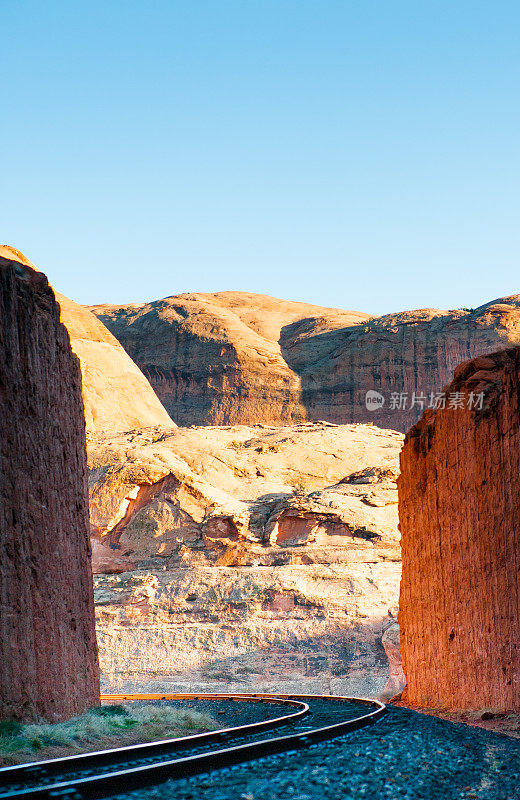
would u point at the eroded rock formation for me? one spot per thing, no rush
(459, 516)
(391, 641)
(207, 356)
(217, 359)
(245, 556)
(116, 394)
(48, 654)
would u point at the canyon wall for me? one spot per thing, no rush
(48, 652)
(408, 358)
(207, 356)
(245, 557)
(459, 503)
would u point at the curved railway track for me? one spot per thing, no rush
(308, 719)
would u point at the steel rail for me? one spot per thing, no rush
(83, 761)
(124, 780)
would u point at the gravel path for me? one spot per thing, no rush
(405, 755)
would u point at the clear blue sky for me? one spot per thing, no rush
(354, 154)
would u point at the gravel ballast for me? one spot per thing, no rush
(404, 755)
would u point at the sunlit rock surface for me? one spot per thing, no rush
(222, 358)
(116, 394)
(235, 357)
(459, 514)
(256, 556)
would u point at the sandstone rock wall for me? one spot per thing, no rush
(405, 357)
(216, 359)
(459, 501)
(48, 653)
(233, 357)
(116, 394)
(196, 495)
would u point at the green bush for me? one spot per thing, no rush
(237, 445)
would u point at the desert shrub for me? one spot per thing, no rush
(300, 485)
(102, 725)
(236, 444)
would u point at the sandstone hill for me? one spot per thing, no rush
(221, 358)
(459, 517)
(245, 556)
(116, 394)
(234, 357)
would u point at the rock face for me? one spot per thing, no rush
(245, 556)
(412, 352)
(116, 395)
(459, 516)
(391, 641)
(48, 655)
(207, 356)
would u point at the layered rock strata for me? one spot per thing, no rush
(233, 357)
(48, 653)
(459, 516)
(245, 556)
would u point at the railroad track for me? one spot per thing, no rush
(307, 720)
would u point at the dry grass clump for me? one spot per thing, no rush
(300, 484)
(98, 729)
(236, 444)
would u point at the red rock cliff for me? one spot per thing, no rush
(237, 358)
(48, 653)
(459, 504)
